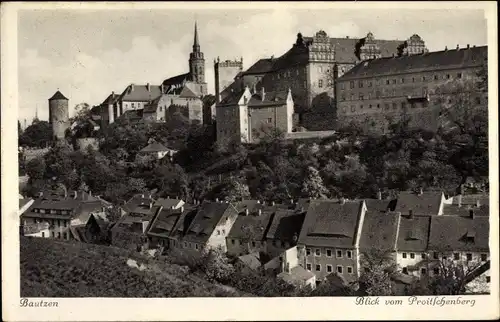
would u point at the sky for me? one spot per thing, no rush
(87, 54)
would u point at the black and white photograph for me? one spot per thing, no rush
(253, 152)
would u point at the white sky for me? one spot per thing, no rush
(88, 54)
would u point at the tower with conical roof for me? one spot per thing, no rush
(59, 115)
(196, 60)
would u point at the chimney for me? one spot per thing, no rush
(90, 193)
(420, 191)
(446, 48)
(148, 87)
(471, 213)
(459, 200)
(247, 212)
(263, 93)
(282, 264)
(468, 46)
(131, 87)
(458, 47)
(379, 195)
(75, 194)
(162, 88)
(112, 94)
(272, 203)
(182, 209)
(342, 201)
(478, 203)
(150, 204)
(258, 201)
(216, 199)
(410, 214)
(259, 212)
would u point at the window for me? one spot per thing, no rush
(339, 254)
(58, 223)
(351, 84)
(370, 106)
(360, 84)
(353, 108)
(386, 106)
(405, 270)
(423, 271)
(361, 106)
(329, 268)
(402, 80)
(343, 97)
(308, 267)
(53, 235)
(484, 257)
(403, 105)
(196, 246)
(436, 255)
(478, 100)
(469, 256)
(394, 81)
(318, 268)
(133, 105)
(361, 97)
(342, 86)
(253, 244)
(370, 84)
(404, 255)
(445, 257)
(320, 83)
(185, 244)
(412, 255)
(317, 252)
(43, 234)
(378, 105)
(394, 106)
(413, 79)
(436, 77)
(269, 120)
(488, 279)
(59, 235)
(424, 256)
(456, 256)
(224, 231)
(65, 235)
(349, 269)
(65, 223)
(339, 269)
(308, 250)
(436, 270)
(447, 76)
(218, 232)
(459, 75)
(349, 254)
(232, 241)
(387, 82)
(352, 97)
(328, 253)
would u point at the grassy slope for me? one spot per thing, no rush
(51, 268)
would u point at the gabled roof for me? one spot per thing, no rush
(330, 223)
(379, 230)
(187, 93)
(464, 210)
(251, 226)
(472, 199)
(140, 93)
(270, 99)
(261, 66)
(297, 275)
(233, 97)
(155, 147)
(286, 226)
(376, 205)
(168, 203)
(164, 222)
(449, 233)
(132, 115)
(251, 260)
(447, 59)
(58, 96)
(111, 99)
(425, 204)
(413, 233)
(208, 216)
(179, 79)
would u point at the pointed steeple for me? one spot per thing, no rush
(196, 43)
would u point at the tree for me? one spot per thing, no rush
(216, 266)
(377, 269)
(35, 168)
(233, 189)
(452, 276)
(59, 162)
(38, 134)
(313, 186)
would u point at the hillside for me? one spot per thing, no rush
(52, 268)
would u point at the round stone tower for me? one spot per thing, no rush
(59, 115)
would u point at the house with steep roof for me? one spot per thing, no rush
(245, 116)
(284, 230)
(24, 204)
(330, 238)
(421, 203)
(459, 239)
(136, 97)
(157, 150)
(184, 102)
(109, 109)
(379, 232)
(60, 214)
(203, 226)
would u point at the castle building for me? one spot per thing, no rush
(415, 86)
(59, 115)
(245, 116)
(311, 67)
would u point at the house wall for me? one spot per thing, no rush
(370, 101)
(58, 228)
(480, 285)
(323, 260)
(238, 247)
(219, 235)
(44, 233)
(228, 123)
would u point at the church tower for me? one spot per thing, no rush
(197, 61)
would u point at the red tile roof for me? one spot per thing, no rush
(330, 223)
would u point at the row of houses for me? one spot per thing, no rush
(308, 241)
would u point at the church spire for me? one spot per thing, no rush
(196, 43)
